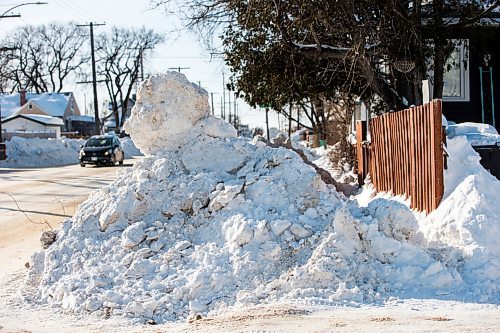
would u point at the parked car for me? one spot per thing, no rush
(478, 135)
(102, 150)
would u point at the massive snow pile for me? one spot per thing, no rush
(35, 153)
(209, 221)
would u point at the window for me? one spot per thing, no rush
(456, 75)
(30, 106)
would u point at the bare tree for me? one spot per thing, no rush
(63, 43)
(120, 57)
(44, 57)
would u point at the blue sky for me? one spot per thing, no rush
(180, 49)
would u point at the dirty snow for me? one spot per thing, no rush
(208, 221)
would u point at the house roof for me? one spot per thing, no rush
(54, 104)
(37, 118)
(84, 118)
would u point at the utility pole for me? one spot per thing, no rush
(141, 58)
(179, 68)
(212, 100)
(267, 123)
(221, 108)
(94, 76)
(229, 101)
(142, 66)
(234, 111)
(223, 97)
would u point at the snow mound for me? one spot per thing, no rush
(35, 153)
(167, 107)
(467, 219)
(225, 222)
(129, 148)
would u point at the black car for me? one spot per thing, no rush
(102, 150)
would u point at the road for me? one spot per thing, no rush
(46, 196)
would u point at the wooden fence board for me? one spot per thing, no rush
(405, 156)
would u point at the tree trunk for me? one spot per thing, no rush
(439, 62)
(439, 52)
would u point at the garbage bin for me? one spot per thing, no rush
(322, 143)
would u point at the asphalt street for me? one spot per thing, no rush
(32, 199)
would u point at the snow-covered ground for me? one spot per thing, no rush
(208, 222)
(39, 153)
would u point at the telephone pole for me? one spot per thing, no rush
(179, 68)
(94, 76)
(212, 99)
(141, 58)
(223, 96)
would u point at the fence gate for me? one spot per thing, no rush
(405, 155)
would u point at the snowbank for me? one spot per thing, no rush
(42, 153)
(467, 222)
(129, 148)
(36, 153)
(209, 221)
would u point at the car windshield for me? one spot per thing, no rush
(94, 142)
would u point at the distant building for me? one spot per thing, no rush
(32, 126)
(109, 121)
(58, 105)
(84, 125)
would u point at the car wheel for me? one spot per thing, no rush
(82, 165)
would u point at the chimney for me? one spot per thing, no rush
(22, 97)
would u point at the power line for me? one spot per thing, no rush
(77, 14)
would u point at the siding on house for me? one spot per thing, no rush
(24, 124)
(31, 108)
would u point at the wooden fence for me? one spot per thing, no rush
(405, 155)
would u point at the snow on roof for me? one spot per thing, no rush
(84, 118)
(46, 120)
(53, 103)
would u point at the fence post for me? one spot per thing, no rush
(360, 137)
(436, 107)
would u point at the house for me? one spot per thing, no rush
(83, 125)
(109, 120)
(32, 125)
(471, 82)
(471, 90)
(59, 105)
